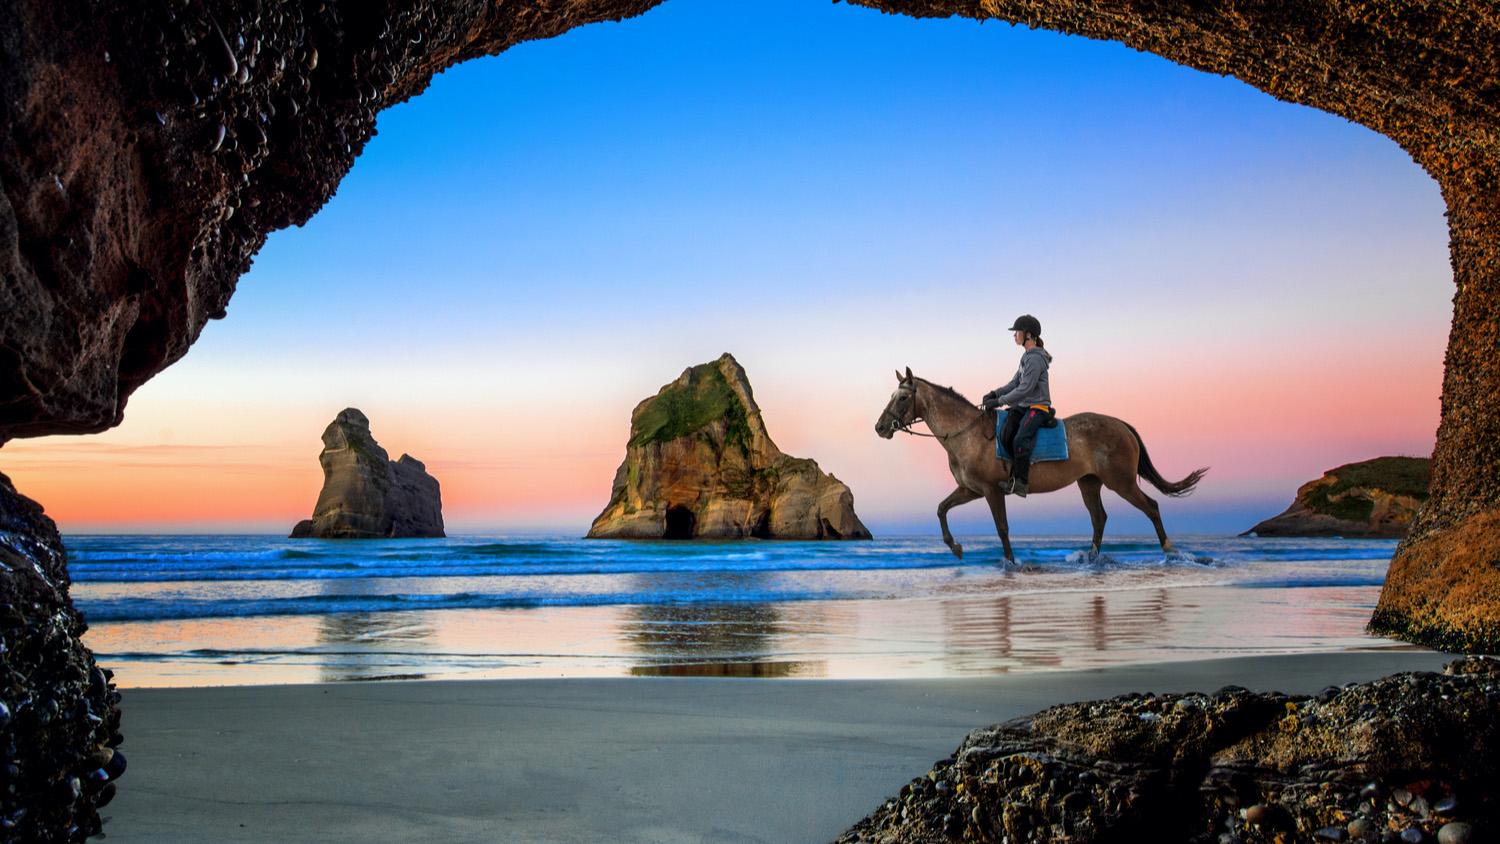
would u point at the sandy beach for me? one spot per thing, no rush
(588, 760)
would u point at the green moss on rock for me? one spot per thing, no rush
(680, 410)
(1406, 476)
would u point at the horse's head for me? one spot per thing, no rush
(901, 410)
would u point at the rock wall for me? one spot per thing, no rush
(59, 723)
(366, 494)
(700, 465)
(1374, 499)
(1406, 758)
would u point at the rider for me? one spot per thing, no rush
(1030, 400)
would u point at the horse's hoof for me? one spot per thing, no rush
(957, 549)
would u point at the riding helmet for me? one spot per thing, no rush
(1027, 323)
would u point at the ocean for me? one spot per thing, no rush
(245, 610)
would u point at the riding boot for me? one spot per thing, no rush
(1019, 470)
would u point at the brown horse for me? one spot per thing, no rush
(1102, 452)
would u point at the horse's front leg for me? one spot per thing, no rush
(1002, 526)
(962, 495)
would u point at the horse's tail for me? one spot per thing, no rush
(1148, 471)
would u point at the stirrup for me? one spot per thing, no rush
(1018, 487)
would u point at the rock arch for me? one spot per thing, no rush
(147, 149)
(148, 152)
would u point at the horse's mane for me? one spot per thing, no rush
(947, 391)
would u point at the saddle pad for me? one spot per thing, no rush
(1051, 443)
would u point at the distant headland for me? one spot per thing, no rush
(1374, 499)
(700, 465)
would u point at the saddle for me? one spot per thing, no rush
(1051, 441)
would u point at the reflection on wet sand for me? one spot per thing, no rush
(1056, 630)
(718, 640)
(970, 633)
(369, 646)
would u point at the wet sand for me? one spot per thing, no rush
(970, 630)
(657, 760)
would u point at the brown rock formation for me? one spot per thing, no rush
(1375, 499)
(700, 465)
(366, 494)
(1415, 751)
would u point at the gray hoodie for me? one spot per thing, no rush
(1029, 387)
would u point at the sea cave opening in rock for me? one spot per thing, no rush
(762, 527)
(681, 523)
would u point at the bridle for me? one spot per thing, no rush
(905, 427)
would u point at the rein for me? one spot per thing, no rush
(906, 427)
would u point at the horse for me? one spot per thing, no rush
(1102, 452)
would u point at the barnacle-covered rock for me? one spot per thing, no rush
(1414, 751)
(58, 718)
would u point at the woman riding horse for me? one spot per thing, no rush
(1102, 452)
(1030, 398)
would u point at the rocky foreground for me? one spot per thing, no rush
(700, 465)
(1410, 758)
(59, 715)
(366, 494)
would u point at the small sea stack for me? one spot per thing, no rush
(700, 465)
(367, 495)
(1373, 499)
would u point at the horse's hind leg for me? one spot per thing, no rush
(1002, 525)
(1090, 485)
(1147, 505)
(962, 495)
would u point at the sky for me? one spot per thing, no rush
(544, 238)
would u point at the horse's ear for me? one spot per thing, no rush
(908, 374)
(898, 376)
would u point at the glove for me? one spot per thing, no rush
(991, 401)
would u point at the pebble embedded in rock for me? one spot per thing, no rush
(1456, 832)
(1362, 829)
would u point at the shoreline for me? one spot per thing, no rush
(619, 759)
(967, 631)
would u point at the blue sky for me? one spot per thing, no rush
(544, 238)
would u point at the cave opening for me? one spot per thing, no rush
(762, 527)
(681, 523)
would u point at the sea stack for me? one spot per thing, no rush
(367, 495)
(700, 465)
(1374, 499)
